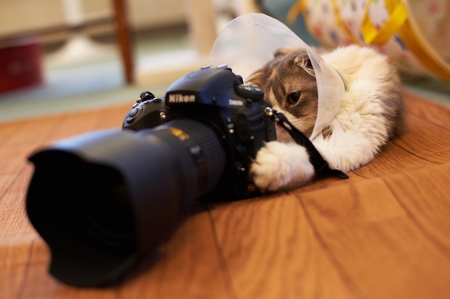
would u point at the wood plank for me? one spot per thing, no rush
(114, 116)
(189, 255)
(429, 111)
(321, 183)
(16, 237)
(27, 133)
(5, 182)
(14, 224)
(25, 139)
(188, 266)
(8, 130)
(270, 251)
(75, 124)
(426, 140)
(392, 159)
(373, 239)
(425, 197)
(14, 262)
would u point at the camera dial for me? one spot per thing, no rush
(250, 91)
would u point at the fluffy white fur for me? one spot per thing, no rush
(279, 164)
(359, 128)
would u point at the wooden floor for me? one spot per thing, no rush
(385, 233)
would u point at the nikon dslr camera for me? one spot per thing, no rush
(102, 199)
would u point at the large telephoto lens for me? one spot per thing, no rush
(102, 199)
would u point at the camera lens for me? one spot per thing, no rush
(106, 212)
(198, 151)
(101, 199)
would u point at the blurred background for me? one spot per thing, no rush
(65, 55)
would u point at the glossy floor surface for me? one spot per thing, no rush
(381, 234)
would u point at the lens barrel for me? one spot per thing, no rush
(102, 199)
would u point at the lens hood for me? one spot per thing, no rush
(102, 199)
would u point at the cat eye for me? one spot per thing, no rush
(294, 97)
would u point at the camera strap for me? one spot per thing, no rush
(320, 165)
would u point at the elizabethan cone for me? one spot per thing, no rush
(248, 42)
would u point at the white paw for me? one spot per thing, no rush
(279, 165)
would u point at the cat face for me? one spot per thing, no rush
(290, 86)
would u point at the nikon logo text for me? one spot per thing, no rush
(236, 103)
(180, 98)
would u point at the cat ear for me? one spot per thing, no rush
(255, 78)
(305, 63)
(283, 51)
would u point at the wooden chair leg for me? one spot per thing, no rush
(124, 39)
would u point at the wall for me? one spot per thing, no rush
(23, 15)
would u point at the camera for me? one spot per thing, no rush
(101, 200)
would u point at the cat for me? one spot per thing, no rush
(371, 113)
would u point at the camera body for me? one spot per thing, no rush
(103, 199)
(218, 98)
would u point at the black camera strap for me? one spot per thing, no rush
(320, 165)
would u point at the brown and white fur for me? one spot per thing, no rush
(371, 113)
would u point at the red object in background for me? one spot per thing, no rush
(20, 65)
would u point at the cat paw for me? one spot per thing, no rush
(279, 165)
